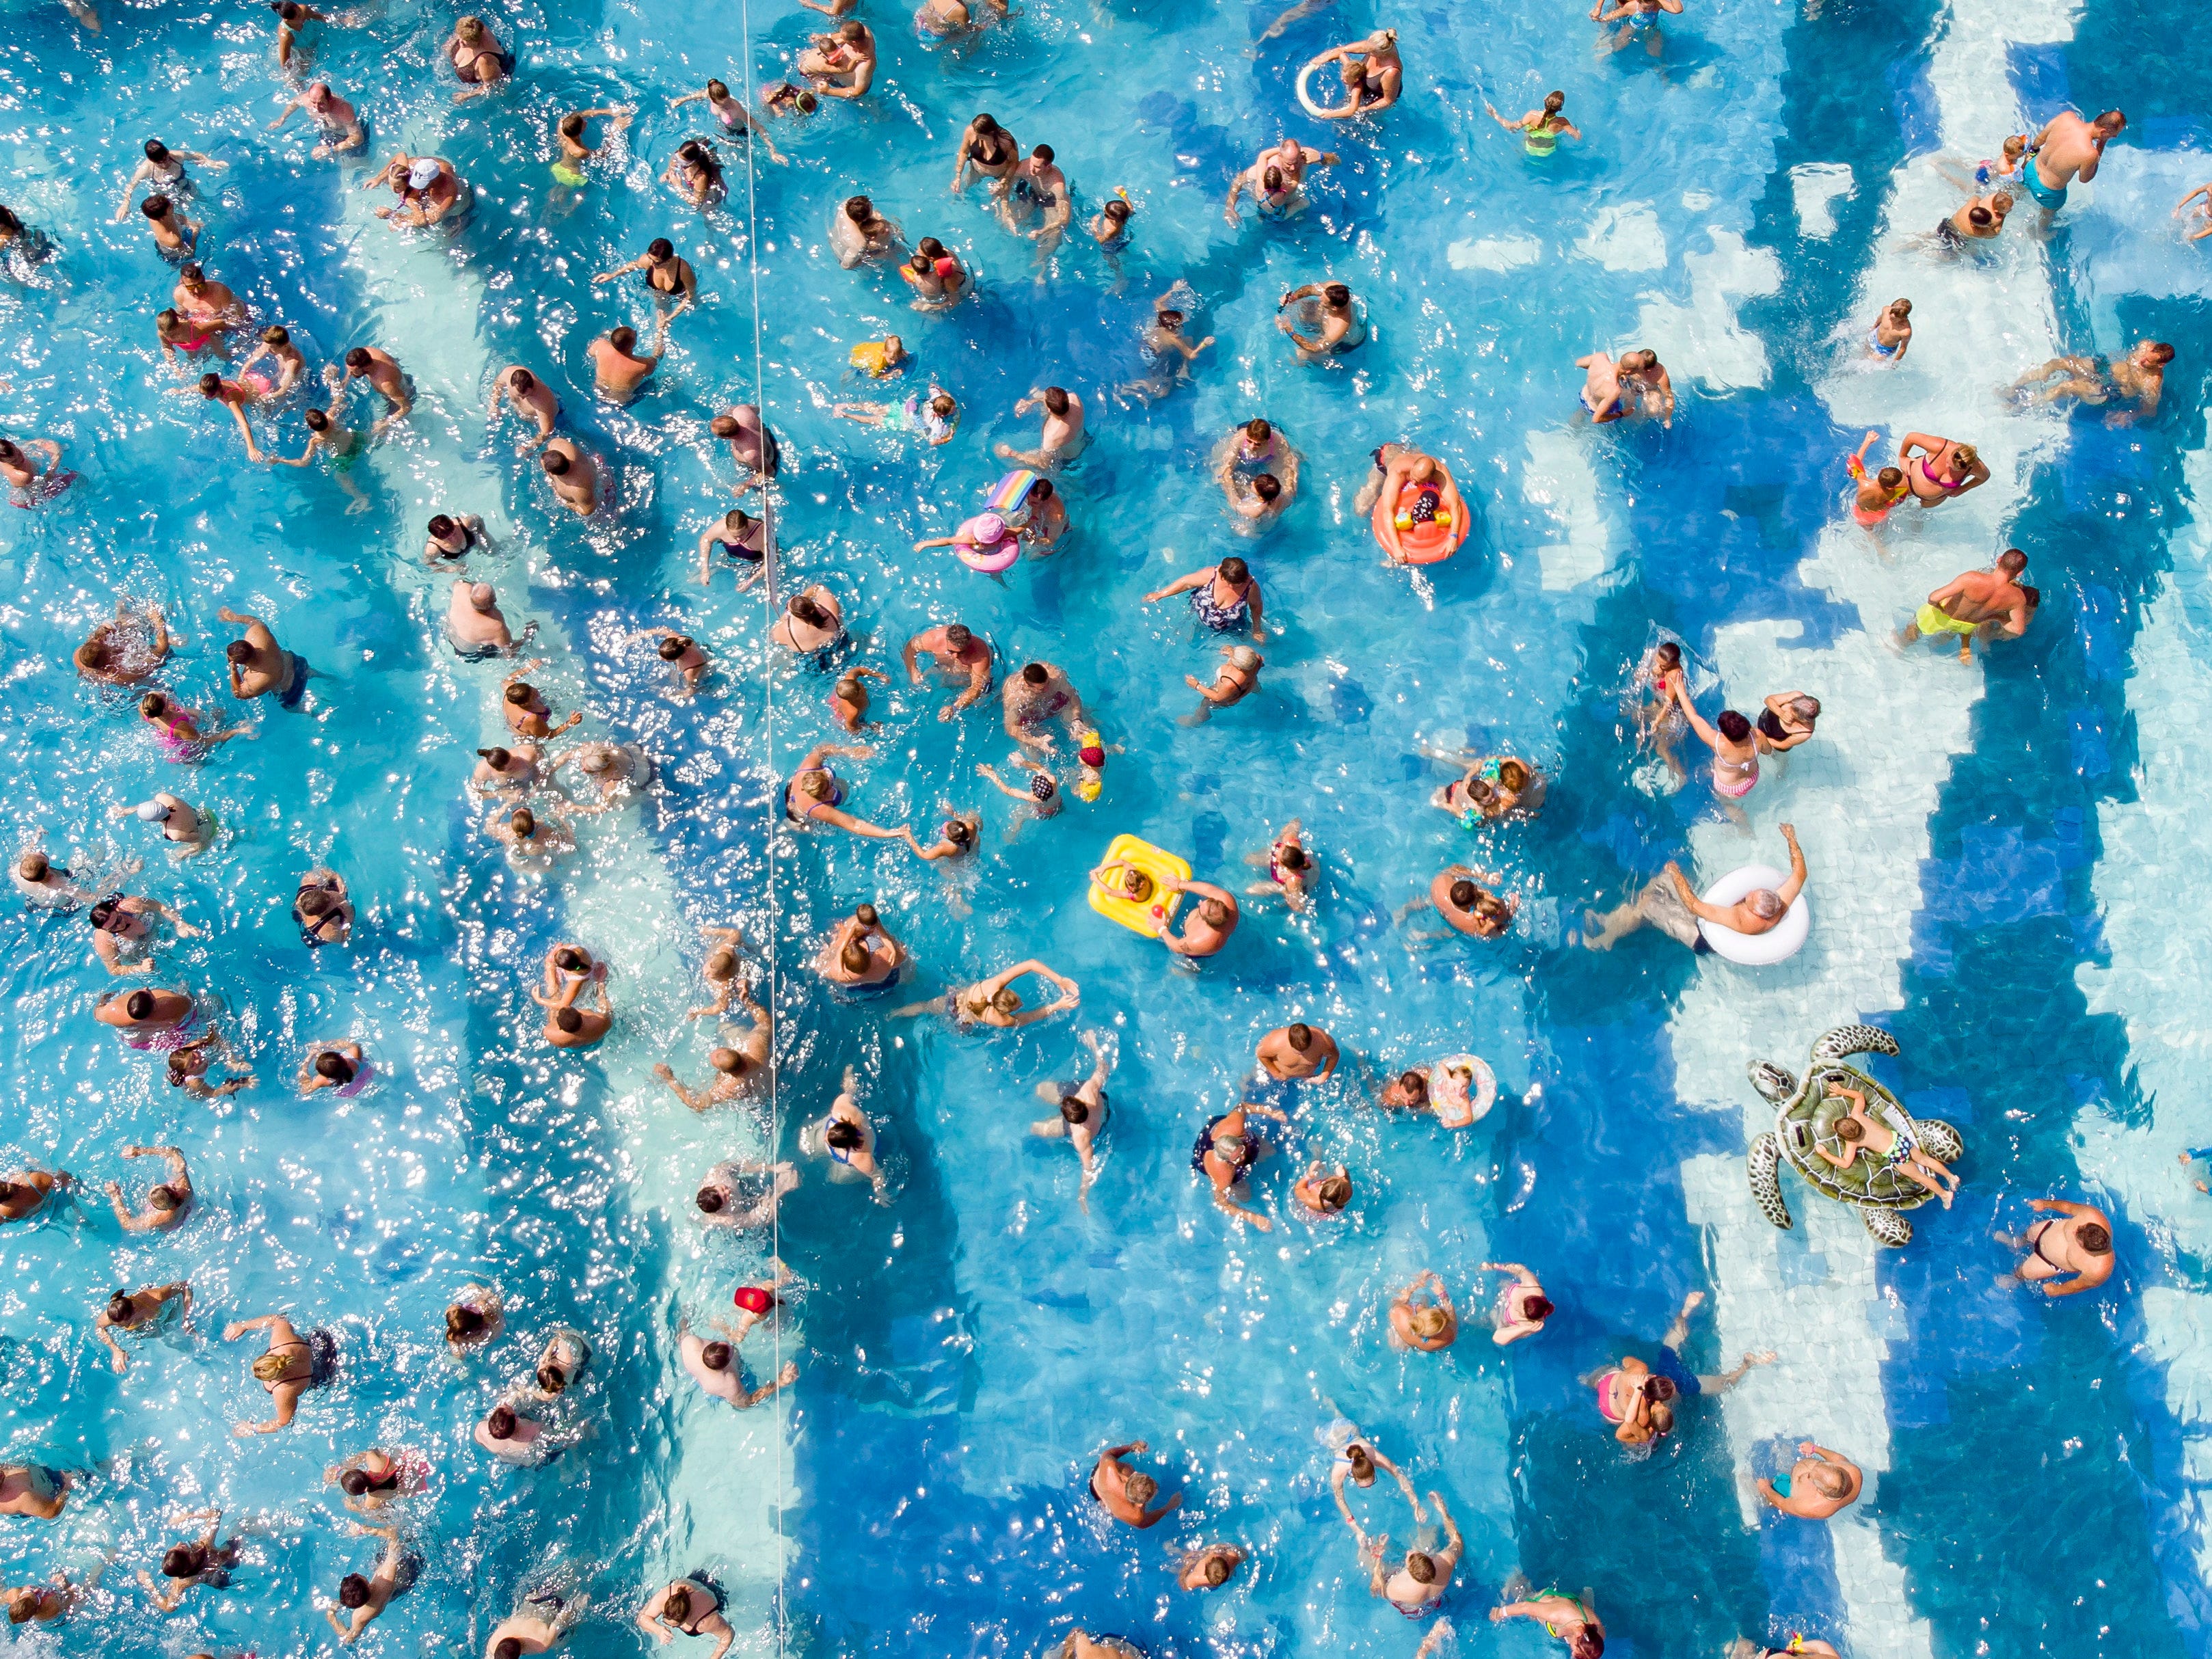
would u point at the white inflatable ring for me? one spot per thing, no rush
(1306, 98)
(1479, 1099)
(1783, 940)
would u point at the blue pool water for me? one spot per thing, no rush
(2000, 853)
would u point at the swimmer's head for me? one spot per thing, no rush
(353, 1483)
(1234, 571)
(313, 901)
(1140, 1488)
(1337, 294)
(893, 348)
(1415, 1084)
(958, 636)
(1639, 362)
(1042, 788)
(859, 209)
(932, 247)
(469, 28)
(157, 152)
(500, 1424)
(709, 1199)
(867, 916)
(855, 957)
(1292, 857)
(1588, 1644)
(1513, 774)
(334, 1066)
(164, 1198)
(715, 1356)
(1299, 1036)
(1889, 478)
(2032, 595)
(985, 124)
(523, 823)
(568, 1021)
(118, 1307)
(1043, 153)
(1215, 913)
(807, 608)
(1806, 709)
(318, 420)
(676, 1606)
(180, 1561)
(506, 1647)
(737, 520)
(552, 1379)
(1979, 217)
(1419, 1568)
(33, 866)
(463, 1323)
(269, 1367)
(1073, 1110)
(1828, 1479)
(139, 1005)
(1428, 1321)
(2001, 203)
(1055, 400)
(674, 647)
(154, 207)
(1667, 654)
(1245, 657)
(192, 278)
(1334, 1193)
(623, 339)
(1555, 102)
(483, 595)
(2157, 351)
(1363, 1466)
(943, 407)
(1734, 726)
(1422, 469)
(2110, 122)
(729, 1062)
(1117, 211)
(1273, 177)
(1217, 1570)
(521, 382)
(2012, 560)
(1007, 1000)
(851, 31)
(1537, 1309)
(554, 462)
(1492, 909)
(1258, 431)
(1354, 72)
(959, 832)
(521, 694)
(1169, 321)
(1765, 904)
(276, 335)
(572, 126)
(571, 960)
(498, 759)
(210, 386)
(715, 89)
(2094, 1237)
(1035, 673)
(1658, 1389)
(1900, 310)
(844, 1134)
(807, 103)
(358, 360)
(353, 1591)
(1136, 884)
(1463, 893)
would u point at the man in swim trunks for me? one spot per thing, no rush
(1207, 924)
(1038, 185)
(2068, 148)
(1039, 694)
(475, 624)
(1603, 397)
(164, 168)
(618, 367)
(752, 446)
(2077, 1240)
(2140, 376)
(259, 665)
(664, 275)
(143, 1015)
(1062, 439)
(1820, 1482)
(1126, 1493)
(381, 370)
(860, 952)
(573, 475)
(1984, 602)
(517, 387)
(210, 307)
(956, 656)
(1291, 1053)
(1978, 220)
(1416, 1589)
(1276, 178)
(538, 1626)
(342, 129)
(1329, 305)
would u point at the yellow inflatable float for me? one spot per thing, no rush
(1149, 911)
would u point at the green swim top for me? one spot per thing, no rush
(1542, 139)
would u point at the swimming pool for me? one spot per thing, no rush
(2001, 854)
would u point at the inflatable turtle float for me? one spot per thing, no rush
(1805, 1116)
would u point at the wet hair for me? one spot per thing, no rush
(723, 964)
(139, 1005)
(499, 758)
(1980, 215)
(353, 1483)
(852, 29)
(622, 339)
(1513, 774)
(1363, 1466)
(156, 151)
(1169, 319)
(1419, 1568)
(1668, 652)
(674, 647)
(715, 1356)
(33, 867)
(9, 222)
(660, 248)
(552, 1378)
(855, 957)
(1139, 1487)
(1903, 308)
(866, 917)
(1299, 1036)
(523, 822)
(698, 155)
(959, 831)
(353, 1591)
(154, 207)
(943, 407)
(506, 1647)
(1462, 895)
(163, 1197)
(932, 247)
(9, 1189)
(572, 126)
(1588, 1644)
(1337, 294)
(1273, 177)
(1234, 570)
(729, 1062)
(843, 1133)
(1073, 1110)
(118, 1307)
(182, 1560)
(717, 89)
(1805, 709)
(1537, 1309)
(318, 419)
(442, 526)
(1006, 999)
(1035, 673)
(2094, 1237)
(1765, 903)
(1428, 1321)
(554, 462)
(859, 209)
(1555, 102)
(2112, 116)
(1889, 478)
(190, 274)
(2032, 595)
(521, 380)
(1055, 400)
(1293, 856)
(2012, 561)
(808, 610)
(463, 1322)
(1217, 1570)
(709, 1199)
(1258, 431)
(500, 1424)
(676, 1605)
(2161, 352)
(210, 385)
(469, 27)
(277, 335)
(568, 1021)
(1734, 726)
(358, 358)
(1043, 153)
(958, 636)
(238, 651)
(334, 1066)
(2002, 201)
(1490, 908)
(1118, 210)
(1335, 1193)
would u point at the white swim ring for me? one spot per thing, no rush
(1457, 1102)
(1780, 942)
(1306, 98)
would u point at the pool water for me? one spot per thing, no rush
(2002, 854)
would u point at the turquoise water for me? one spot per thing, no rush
(966, 1349)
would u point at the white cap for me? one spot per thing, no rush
(424, 174)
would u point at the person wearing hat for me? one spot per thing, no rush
(428, 188)
(184, 826)
(756, 1301)
(1092, 754)
(1236, 678)
(1041, 794)
(984, 535)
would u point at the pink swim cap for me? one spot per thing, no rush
(987, 528)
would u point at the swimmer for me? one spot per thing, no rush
(752, 446)
(680, 652)
(209, 305)
(338, 120)
(1290, 1053)
(994, 1002)
(144, 1015)
(1638, 1397)
(43, 1604)
(1330, 308)
(1209, 1566)
(1877, 493)
(121, 919)
(167, 1200)
(1892, 334)
(1207, 924)
(1744, 1648)
(1372, 72)
(138, 1310)
(478, 59)
(516, 387)
(337, 1066)
(720, 971)
(1048, 519)
(1736, 755)
(1398, 467)
(1604, 400)
(1039, 184)
(1254, 450)
(849, 1140)
(28, 483)
(380, 370)
(191, 1062)
(937, 418)
(781, 98)
(814, 793)
(1422, 1316)
(174, 236)
(1276, 178)
(981, 535)
(1289, 869)
(259, 667)
(1417, 1588)
(618, 367)
(848, 698)
(528, 714)
(1155, 343)
(1642, 373)
(1522, 1307)
(327, 434)
(1572, 1619)
(734, 1072)
(45, 885)
(986, 150)
(569, 138)
(473, 1318)
(736, 120)
(30, 1489)
(713, 1367)
(1820, 1482)
(475, 625)
(428, 188)
(1643, 17)
(1041, 794)
(1324, 1192)
(935, 275)
(1979, 220)
(1235, 679)
(958, 841)
(322, 909)
(1540, 129)
(567, 1026)
(1357, 1459)
(812, 625)
(1110, 229)
(1786, 722)
(24, 1191)
(183, 827)
(573, 474)
(538, 1626)
(2068, 148)
(497, 770)
(1494, 786)
(860, 951)
(364, 1600)
(1988, 603)
(197, 1561)
(276, 344)
(1456, 893)
(859, 233)
(164, 169)
(533, 840)
(1039, 694)
(1223, 597)
(2077, 1241)
(513, 1438)
(2204, 213)
(2139, 377)
(1859, 1131)
(212, 388)
(686, 1608)
(1082, 1114)
(126, 649)
(1063, 437)
(665, 274)
(287, 1367)
(842, 64)
(1760, 911)
(742, 538)
(1126, 1493)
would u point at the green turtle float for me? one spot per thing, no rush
(1805, 1115)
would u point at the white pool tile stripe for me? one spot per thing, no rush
(1861, 796)
(725, 1480)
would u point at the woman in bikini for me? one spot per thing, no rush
(987, 150)
(1735, 754)
(288, 1368)
(694, 172)
(176, 728)
(1946, 467)
(1223, 597)
(1289, 869)
(994, 1002)
(816, 794)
